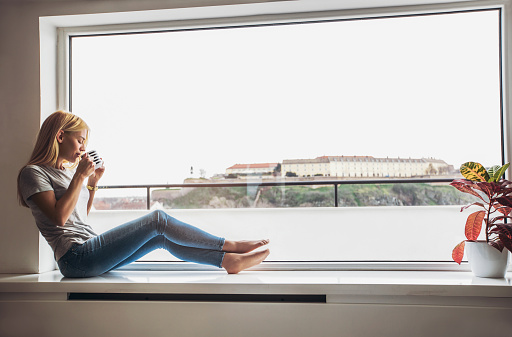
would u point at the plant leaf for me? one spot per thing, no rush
(505, 183)
(474, 225)
(497, 243)
(474, 171)
(499, 218)
(473, 204)
(505, 201)
(506, 241)
(489, 189)
(506, 186)
(465, 186)
(499, 172)
(503, 229)
(491, 171)
(458, 252)
(505, 210)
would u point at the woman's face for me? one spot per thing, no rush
(72, 145)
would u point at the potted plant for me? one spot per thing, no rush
(487, 258)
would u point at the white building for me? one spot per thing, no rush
(364, 167)
(307, 167)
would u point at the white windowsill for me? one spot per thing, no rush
(389, 287)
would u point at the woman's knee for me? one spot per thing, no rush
(159, 214)
(160, 219)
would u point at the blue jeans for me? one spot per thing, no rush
(129, 242)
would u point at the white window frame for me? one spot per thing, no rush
(239, 15)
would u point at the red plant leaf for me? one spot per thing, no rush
(497, 243)
(506, 186)
(506, 241)
(503, 229)
(498, 218)
(458, 252)
(465, 186)
(505, 190)
(474, 225)
(505, 210)
(505, 183)
(473, 204)
(489, 189)
(505, 201)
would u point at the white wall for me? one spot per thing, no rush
(324, 234)
(249, 319)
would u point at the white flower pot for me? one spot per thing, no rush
(485, 260)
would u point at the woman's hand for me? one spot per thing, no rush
(96, 176)
(93, 182)
(85, 167)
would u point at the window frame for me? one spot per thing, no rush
(218, 19)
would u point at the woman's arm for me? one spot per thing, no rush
(91, 198)
(93, 182)
(60, 210)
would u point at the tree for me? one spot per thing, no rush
(277, 170)
(431, 169)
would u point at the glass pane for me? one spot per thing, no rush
(395, 97)
(401, 195)
(194, 104)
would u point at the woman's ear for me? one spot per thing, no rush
(60, 136)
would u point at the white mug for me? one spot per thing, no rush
(95, 157)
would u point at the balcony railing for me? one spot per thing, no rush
(284, 183)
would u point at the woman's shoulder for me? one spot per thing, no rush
(32, 171)
(29, 169)
(46, 173)
(41, 171)
(35, 169)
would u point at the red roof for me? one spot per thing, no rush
(246, 166)
(357, 157)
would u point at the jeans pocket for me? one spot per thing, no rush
(68, 262)
(68, 270)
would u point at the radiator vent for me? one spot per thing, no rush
(271, 298)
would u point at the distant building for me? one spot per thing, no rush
(252, 169)
(364, 167)
(307, 167)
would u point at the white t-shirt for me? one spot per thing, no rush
(35, 179)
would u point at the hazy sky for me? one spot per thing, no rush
(410, 87)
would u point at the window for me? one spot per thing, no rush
(184, 104)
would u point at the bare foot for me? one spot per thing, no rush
(235, 263)
(241, 247)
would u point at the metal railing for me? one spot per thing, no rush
(283, 183)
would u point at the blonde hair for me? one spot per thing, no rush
(46, 149)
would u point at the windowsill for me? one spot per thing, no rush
(390, 287)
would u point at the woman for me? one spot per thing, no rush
(52, 186)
